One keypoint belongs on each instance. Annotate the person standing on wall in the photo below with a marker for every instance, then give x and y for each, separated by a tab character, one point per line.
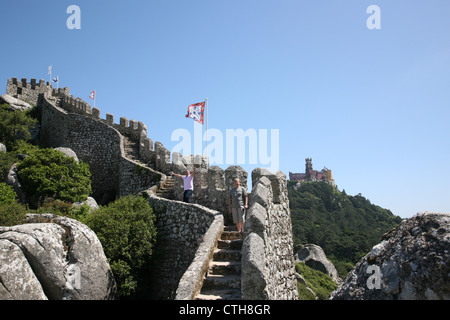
188	181
238	203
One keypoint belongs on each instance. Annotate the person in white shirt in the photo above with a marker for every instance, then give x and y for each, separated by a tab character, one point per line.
188	180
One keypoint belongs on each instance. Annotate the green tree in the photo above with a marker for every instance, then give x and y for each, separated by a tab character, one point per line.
48	173
12	214
346	227
14	126
126	229
7	194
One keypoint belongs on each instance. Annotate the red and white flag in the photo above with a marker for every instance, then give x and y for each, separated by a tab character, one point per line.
197	112
92	95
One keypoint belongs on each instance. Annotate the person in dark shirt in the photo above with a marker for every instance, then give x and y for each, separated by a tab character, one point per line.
238	203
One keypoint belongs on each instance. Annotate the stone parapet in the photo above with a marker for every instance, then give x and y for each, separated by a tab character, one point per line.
187	235
268	268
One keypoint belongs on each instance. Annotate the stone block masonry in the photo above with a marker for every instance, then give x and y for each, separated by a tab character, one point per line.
268	268
124	161
99	145
28	92
187	235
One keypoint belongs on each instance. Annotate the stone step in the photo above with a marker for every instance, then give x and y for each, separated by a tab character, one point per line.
235	244
215	281
223	279
165	189
231	235
227	255
224	268
220	294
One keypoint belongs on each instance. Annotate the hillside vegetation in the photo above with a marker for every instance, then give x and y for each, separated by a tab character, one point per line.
346	227
53	182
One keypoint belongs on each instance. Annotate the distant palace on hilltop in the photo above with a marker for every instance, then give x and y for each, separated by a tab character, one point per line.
312	175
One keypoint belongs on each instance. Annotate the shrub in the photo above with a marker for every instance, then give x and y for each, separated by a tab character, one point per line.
57	207
14	126
320	283
48	173
12	214
7	194
126	229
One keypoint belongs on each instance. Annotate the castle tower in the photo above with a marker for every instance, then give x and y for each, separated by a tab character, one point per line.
308	168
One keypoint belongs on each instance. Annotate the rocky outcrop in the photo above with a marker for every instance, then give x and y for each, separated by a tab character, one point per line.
90	202
12	179
411	263
53	258
68	153
314	257
15	104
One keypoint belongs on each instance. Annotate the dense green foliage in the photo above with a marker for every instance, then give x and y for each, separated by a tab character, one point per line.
320	283
346	227
12	214
48	173
14	126
53	181
126	229
7	194
45	173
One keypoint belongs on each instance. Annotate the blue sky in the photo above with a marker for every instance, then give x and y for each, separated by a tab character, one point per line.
372	105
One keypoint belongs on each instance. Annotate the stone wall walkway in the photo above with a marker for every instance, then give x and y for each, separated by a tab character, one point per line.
223	279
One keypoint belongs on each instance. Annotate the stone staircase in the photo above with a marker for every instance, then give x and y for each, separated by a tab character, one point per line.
131	149
223	279
167	190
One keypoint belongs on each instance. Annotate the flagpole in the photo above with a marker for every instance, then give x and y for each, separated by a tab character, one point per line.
207	111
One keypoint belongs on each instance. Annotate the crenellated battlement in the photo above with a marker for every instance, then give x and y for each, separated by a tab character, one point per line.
61	97
27	91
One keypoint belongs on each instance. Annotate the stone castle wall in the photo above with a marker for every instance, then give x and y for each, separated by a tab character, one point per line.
268	268
99	145
187	231
27	91
187	235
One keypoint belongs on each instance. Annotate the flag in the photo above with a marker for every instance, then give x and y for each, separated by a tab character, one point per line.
56	79
196	111
92	95
49	69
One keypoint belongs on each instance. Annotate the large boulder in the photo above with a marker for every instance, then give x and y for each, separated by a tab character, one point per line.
15	103
68	153
90	202
53	258
12	179
411	263
314	257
